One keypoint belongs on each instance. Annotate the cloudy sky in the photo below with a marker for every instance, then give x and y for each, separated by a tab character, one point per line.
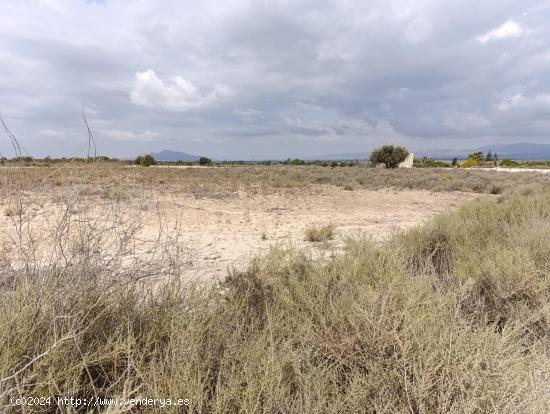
273	78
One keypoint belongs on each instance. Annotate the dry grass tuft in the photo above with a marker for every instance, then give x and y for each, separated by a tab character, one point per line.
319	234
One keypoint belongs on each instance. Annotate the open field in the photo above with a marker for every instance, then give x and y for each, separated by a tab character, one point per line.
227	215
347	289
101	178
224	230
274	207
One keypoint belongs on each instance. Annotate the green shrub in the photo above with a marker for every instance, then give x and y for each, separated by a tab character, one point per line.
427	162
538	164
507	162
389	155
470	162
205	161
145	160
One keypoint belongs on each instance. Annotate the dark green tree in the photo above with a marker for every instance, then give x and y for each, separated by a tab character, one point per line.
478	156
390	155
146	160
205	161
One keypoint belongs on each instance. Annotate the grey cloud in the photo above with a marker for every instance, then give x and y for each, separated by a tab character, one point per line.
248	78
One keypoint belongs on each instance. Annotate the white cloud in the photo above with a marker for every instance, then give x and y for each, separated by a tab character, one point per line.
177	95
122	135
54	5
508	29
521	102
249	115
340	126
464	120
418	30
51	133
512	102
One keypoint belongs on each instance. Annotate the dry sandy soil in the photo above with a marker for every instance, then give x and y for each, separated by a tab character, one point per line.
226	231
518	170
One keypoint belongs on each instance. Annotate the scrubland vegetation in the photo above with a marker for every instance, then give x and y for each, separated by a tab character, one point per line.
121	178
453	316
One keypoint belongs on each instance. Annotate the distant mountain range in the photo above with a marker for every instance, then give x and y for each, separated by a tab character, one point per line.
172	156
519	151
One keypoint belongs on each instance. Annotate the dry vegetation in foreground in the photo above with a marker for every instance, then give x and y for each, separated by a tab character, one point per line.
450	317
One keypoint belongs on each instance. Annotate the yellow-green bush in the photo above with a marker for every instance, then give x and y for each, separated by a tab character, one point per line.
470	162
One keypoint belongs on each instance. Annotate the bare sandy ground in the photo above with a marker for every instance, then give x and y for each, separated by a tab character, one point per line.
227	231
516	170
223	231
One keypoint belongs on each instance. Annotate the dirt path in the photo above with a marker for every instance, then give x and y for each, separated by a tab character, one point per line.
516	170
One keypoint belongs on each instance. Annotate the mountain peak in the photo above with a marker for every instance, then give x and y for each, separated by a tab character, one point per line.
172	156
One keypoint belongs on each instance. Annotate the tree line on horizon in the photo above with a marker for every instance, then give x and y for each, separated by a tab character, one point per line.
389	156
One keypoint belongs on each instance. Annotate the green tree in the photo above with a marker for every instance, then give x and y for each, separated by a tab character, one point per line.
454	163
205	161
489	156
478	156
146	160
390	155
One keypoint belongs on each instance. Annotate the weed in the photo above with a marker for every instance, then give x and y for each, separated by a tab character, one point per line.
320	234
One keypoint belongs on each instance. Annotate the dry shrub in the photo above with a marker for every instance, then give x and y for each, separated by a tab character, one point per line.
319	233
